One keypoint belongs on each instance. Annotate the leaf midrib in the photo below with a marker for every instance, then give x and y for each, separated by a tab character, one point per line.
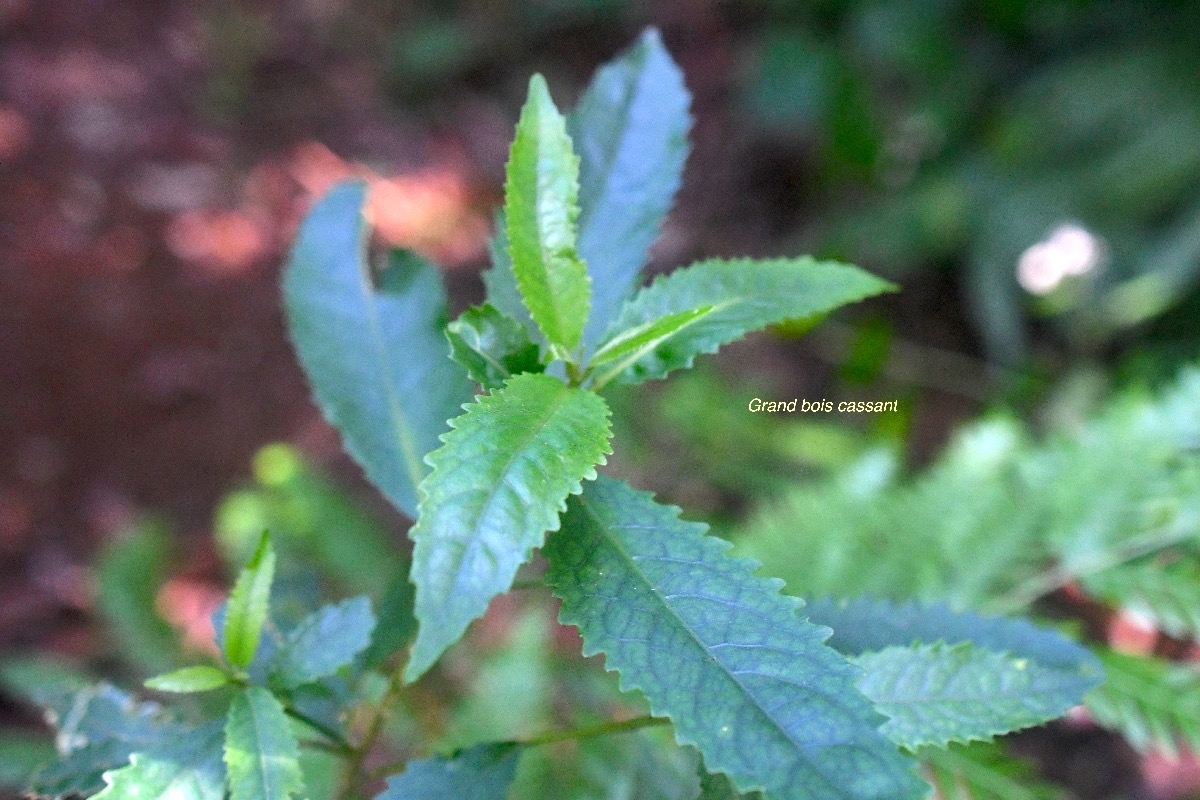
262	757
729	674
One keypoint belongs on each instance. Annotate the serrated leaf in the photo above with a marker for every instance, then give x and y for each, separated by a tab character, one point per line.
629	347
246	612
540	204
186	767
983	771
741	675
716	786
81	771
501	283
1153	703
745	295
934	694
373	350
324	642
630	130
200	678
479	773
865	624
1168	594
491	346
498	484
261	755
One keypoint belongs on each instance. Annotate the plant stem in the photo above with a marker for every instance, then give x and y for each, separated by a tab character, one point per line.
339	742
591	731
359	753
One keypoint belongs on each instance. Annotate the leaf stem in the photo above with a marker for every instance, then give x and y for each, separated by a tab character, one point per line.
359	753
592	731
339	742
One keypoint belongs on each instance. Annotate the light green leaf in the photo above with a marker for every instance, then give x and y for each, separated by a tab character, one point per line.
629	347
497	485
186	767
741	675
866	624
480	773
630	130
372	347
200	678
324	642
246	612
1153	703
938	693
983	771
501	284
260	752
540	207
129	574
745	295
491	346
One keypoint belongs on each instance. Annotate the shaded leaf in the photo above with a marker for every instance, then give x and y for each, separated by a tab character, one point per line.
938	693
745	295
324	642
373	350
741	675
480	773
186	767
1168	594
397	622
491	346
129	574
984	771
540	204
1153	703
497	485
260	752
630	130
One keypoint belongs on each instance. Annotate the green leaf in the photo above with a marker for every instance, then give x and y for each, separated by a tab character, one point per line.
865	624
491	345
630	130
497	485
1168	594
629	347
540	207
638	765
200	678
324	642
22	752
397	623
501	283
983	771
480	773
260	752
246	612
187	767
717	786
938	693
1153	703
372	348
745	295
741	675
129	575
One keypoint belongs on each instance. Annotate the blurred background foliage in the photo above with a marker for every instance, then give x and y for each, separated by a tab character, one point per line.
1027	172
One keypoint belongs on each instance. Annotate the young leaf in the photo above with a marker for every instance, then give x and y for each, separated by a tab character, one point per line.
865	624
324	642
480	773
744	294
260	752
246	612
937	693
630	131
185	767
501	283
491	346
497	485
623	351
200	678
373	350
741	675
540	207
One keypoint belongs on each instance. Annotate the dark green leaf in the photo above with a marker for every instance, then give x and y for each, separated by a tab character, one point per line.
324	642
22	752
491	346
741	675
373	350
480	773
397	622
745	295
630	131
497	485
984	771
1154	703
639	765
246	612
185	767
937	693
540	207
200	678
260	752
